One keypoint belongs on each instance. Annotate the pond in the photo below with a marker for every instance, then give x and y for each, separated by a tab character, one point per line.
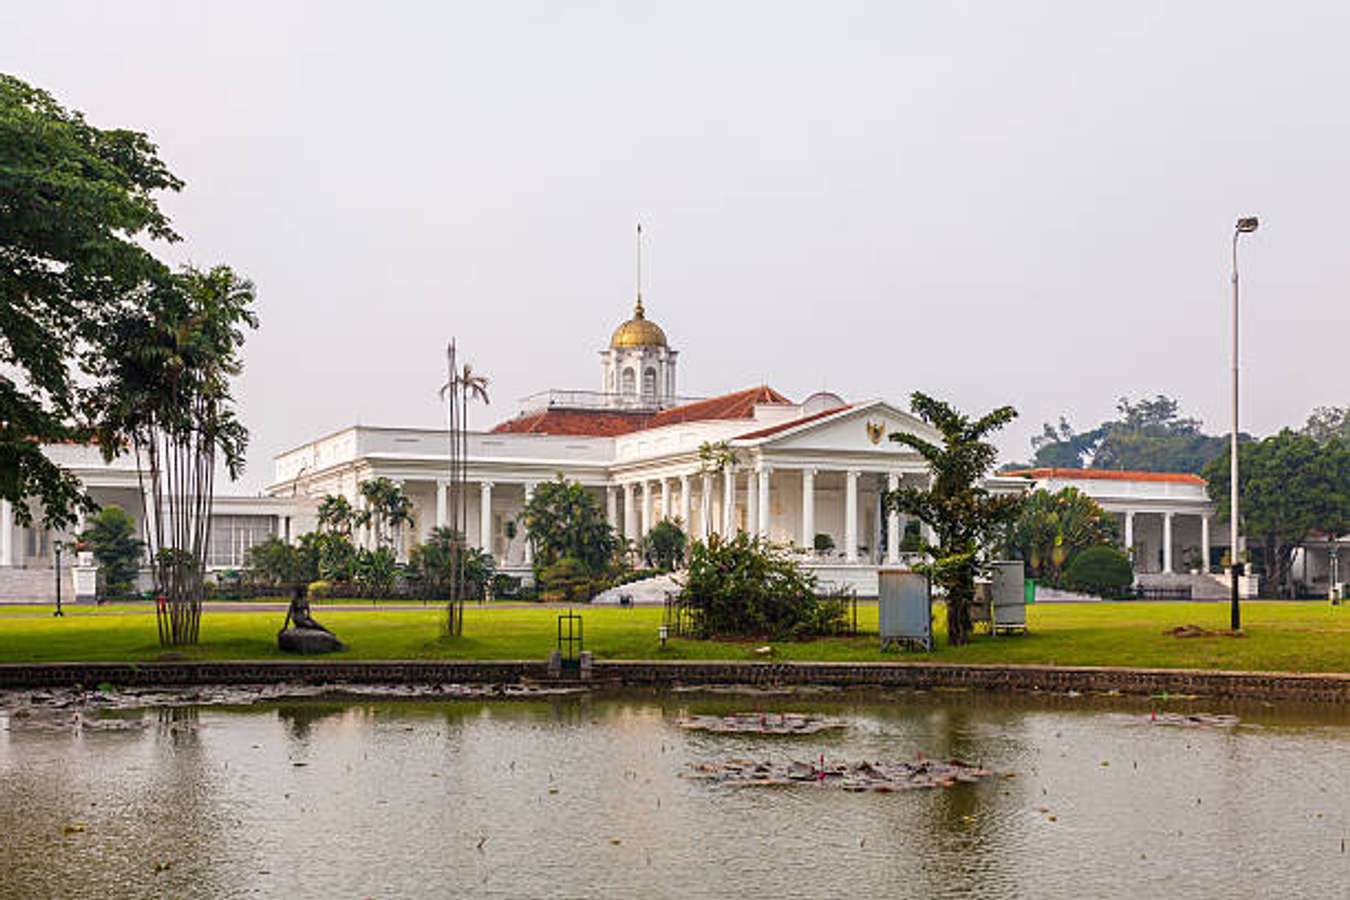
591	796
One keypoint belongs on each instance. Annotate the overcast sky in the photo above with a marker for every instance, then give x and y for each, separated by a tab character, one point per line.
1003	202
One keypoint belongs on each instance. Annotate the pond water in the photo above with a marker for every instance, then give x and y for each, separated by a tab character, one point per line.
587	796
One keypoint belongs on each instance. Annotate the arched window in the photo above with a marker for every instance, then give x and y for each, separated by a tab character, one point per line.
629	382
649	384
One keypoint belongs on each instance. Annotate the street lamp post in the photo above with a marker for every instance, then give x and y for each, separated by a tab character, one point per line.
1245	225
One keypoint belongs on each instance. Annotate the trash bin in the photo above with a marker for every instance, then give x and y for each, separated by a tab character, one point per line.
1029	590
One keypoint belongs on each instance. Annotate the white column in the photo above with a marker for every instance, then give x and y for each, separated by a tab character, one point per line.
612	507
752	501
1129	531
442	508
686	507
705	507
485	517
646	508
529	548
764	509
729	501
1167	543
6	533
665	499
892	524
808	509
851	515
1204	543
629	513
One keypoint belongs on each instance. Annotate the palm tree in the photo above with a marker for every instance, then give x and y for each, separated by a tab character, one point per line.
336	514
462	387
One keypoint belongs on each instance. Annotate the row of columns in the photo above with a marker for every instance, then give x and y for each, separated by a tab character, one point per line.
485	542
1167	538
758	507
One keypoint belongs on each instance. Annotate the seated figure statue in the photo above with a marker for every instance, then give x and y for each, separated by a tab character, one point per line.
300	633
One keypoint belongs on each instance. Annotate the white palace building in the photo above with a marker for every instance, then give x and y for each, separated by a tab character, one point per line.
802	469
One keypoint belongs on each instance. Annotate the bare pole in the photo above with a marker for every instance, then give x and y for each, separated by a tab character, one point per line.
1244	225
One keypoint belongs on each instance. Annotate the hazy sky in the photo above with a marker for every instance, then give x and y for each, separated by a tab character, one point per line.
1003	202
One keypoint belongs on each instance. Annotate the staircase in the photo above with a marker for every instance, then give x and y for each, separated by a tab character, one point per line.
36	585
647	592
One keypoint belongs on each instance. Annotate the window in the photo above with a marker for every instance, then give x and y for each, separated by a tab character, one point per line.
232	536
649	384
629	382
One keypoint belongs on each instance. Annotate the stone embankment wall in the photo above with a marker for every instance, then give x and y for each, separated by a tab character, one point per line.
1333	688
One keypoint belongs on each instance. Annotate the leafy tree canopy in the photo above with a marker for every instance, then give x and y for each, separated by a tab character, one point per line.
112	535
562	519
76	203
1290	486
963	514
1328	423
1149	435
1053	528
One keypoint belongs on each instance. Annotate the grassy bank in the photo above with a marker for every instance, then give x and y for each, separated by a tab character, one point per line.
1305	637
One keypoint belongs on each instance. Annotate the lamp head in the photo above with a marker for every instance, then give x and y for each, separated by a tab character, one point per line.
1247	224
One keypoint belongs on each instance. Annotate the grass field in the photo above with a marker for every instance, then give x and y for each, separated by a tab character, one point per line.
1281	636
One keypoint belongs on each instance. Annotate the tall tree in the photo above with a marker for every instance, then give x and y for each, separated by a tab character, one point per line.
1148	435
164	391
1328	423
563	520
76	204
1053	527
1289	487
963	514
387	510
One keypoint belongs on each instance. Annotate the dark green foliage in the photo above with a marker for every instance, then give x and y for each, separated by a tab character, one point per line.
1053	527
822	543
1328	423
164	391
568	577
1104	571
376	572
387	510
113	538
274	562
563	520
1290	487
962	513
745	586
664	545
76	208
430	562
1148	436
336	514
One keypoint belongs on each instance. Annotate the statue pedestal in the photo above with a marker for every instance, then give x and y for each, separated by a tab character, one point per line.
308	641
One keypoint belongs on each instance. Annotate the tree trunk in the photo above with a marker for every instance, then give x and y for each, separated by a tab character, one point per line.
958	614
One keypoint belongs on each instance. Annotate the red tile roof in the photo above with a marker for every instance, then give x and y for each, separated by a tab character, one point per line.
784	426
740	405
578	422
607	423
1108	475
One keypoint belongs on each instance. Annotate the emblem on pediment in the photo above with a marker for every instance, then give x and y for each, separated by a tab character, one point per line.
876	431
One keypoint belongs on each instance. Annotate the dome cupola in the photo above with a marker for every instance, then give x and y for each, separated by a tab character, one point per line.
638	331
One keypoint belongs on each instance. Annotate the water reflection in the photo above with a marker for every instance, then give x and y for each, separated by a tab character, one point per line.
582	796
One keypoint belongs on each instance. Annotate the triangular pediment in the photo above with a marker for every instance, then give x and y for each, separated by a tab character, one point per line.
862	428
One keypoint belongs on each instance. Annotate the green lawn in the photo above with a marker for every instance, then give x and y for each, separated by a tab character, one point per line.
1282	636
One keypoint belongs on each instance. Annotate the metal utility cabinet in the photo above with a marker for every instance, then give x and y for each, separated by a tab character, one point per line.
1009	597
904	608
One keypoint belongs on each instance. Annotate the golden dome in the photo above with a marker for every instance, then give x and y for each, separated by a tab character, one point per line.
638	332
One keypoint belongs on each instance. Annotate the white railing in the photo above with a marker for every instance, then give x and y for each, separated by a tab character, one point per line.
598	400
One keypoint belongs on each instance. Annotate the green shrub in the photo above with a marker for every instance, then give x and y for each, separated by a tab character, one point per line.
320	590
1104	571
430	564
112	537
568	577
664	545
823	543
272	562
745	586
